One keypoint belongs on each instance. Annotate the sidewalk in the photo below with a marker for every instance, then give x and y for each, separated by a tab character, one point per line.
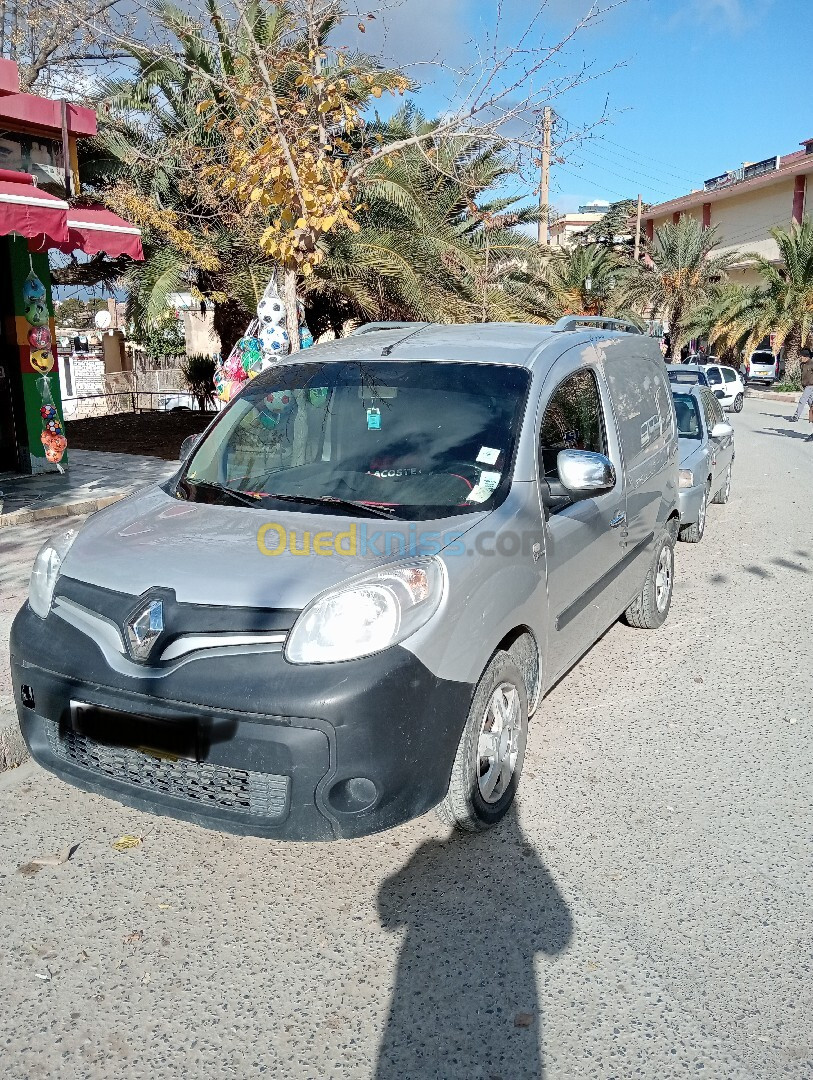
93	480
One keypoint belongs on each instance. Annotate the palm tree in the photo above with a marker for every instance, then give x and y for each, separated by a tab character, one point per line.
430	245
783	303
586	279
681	275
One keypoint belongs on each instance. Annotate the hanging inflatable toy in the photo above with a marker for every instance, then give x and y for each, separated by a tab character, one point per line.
39	337
36	312
33	288
274	340
41	358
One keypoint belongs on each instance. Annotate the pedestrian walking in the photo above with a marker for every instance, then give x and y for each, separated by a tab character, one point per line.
806	400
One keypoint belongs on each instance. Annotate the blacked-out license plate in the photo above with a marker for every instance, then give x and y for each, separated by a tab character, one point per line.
160	738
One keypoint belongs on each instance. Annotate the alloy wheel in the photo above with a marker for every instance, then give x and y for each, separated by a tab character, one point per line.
498	742
663	577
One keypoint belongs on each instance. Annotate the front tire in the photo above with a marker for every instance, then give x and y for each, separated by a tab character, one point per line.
489	757
738	402
650	609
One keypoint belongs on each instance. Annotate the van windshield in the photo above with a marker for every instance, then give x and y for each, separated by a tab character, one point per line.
407	439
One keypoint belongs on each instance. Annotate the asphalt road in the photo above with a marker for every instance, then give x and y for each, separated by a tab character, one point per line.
646	913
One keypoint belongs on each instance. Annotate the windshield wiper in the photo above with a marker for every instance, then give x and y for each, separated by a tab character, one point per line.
238	496
333	500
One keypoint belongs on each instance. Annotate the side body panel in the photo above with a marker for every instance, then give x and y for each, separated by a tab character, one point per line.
645	414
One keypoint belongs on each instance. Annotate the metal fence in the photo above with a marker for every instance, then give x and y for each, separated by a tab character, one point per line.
131	392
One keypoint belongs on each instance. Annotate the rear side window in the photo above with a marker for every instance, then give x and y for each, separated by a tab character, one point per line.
712	410
641	402
713	375
573	420
729	374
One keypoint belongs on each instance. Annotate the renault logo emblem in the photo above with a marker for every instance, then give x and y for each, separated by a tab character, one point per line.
144	628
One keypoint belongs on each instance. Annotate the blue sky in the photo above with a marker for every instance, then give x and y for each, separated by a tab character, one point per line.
702	86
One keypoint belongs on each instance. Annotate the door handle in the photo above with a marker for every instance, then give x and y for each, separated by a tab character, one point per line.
619	519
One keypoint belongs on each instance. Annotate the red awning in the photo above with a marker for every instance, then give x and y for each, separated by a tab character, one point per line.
95	231
27	210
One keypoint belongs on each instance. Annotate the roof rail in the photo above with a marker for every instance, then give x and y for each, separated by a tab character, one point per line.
573	322
370	327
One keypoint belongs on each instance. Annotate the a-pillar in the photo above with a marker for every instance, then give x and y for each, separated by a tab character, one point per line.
21	424
799	189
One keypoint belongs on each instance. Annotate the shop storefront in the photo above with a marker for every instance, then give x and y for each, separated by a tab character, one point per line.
35	218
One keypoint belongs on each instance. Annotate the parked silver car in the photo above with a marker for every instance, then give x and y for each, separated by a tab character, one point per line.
342	609
706	455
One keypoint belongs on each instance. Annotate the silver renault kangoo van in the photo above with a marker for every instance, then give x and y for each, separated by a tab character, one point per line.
344	607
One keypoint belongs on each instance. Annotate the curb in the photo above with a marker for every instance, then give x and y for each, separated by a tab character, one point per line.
73	509
771	395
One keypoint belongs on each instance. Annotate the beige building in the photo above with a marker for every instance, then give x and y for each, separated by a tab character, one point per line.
745	205
566	227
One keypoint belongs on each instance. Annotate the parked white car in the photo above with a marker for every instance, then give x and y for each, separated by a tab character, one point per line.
183	401
726	385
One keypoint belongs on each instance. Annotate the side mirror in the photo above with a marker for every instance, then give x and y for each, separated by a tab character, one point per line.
721	431
584	474
719	393
187	446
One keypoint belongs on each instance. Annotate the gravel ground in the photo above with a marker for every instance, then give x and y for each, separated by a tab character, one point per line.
646	913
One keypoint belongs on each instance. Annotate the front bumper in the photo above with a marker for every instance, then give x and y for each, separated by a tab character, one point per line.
689	502
278	750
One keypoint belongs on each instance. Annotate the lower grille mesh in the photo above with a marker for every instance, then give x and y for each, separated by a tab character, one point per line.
237	790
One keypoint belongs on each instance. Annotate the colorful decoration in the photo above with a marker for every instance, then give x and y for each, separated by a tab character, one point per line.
42	360
274	340
265	341
36	312
39	337
41	357
33	288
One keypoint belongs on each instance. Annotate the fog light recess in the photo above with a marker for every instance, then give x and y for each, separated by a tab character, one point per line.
353	795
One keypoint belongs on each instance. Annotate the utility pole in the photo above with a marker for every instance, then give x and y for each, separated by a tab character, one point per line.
638	231
544	185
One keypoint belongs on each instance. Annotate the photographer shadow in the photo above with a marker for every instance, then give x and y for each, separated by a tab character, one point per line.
477	909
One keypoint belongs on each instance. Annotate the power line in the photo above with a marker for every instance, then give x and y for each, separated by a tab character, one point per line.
646	157
625	159
621	176
585	179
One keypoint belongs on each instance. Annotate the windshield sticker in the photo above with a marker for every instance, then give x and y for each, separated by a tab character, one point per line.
488	455
485	487
373	419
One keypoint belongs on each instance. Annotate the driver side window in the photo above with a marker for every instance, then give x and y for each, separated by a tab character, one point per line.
573	420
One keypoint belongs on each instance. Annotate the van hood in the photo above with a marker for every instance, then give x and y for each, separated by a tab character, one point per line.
234	556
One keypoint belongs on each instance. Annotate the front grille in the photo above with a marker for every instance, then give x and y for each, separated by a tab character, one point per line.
197	783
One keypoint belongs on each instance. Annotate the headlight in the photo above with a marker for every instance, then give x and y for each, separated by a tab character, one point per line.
686	478
46	569
367	614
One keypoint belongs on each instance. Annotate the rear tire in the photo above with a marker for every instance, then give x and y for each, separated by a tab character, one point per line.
693	534
738	401
650	609
724	494
489	757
